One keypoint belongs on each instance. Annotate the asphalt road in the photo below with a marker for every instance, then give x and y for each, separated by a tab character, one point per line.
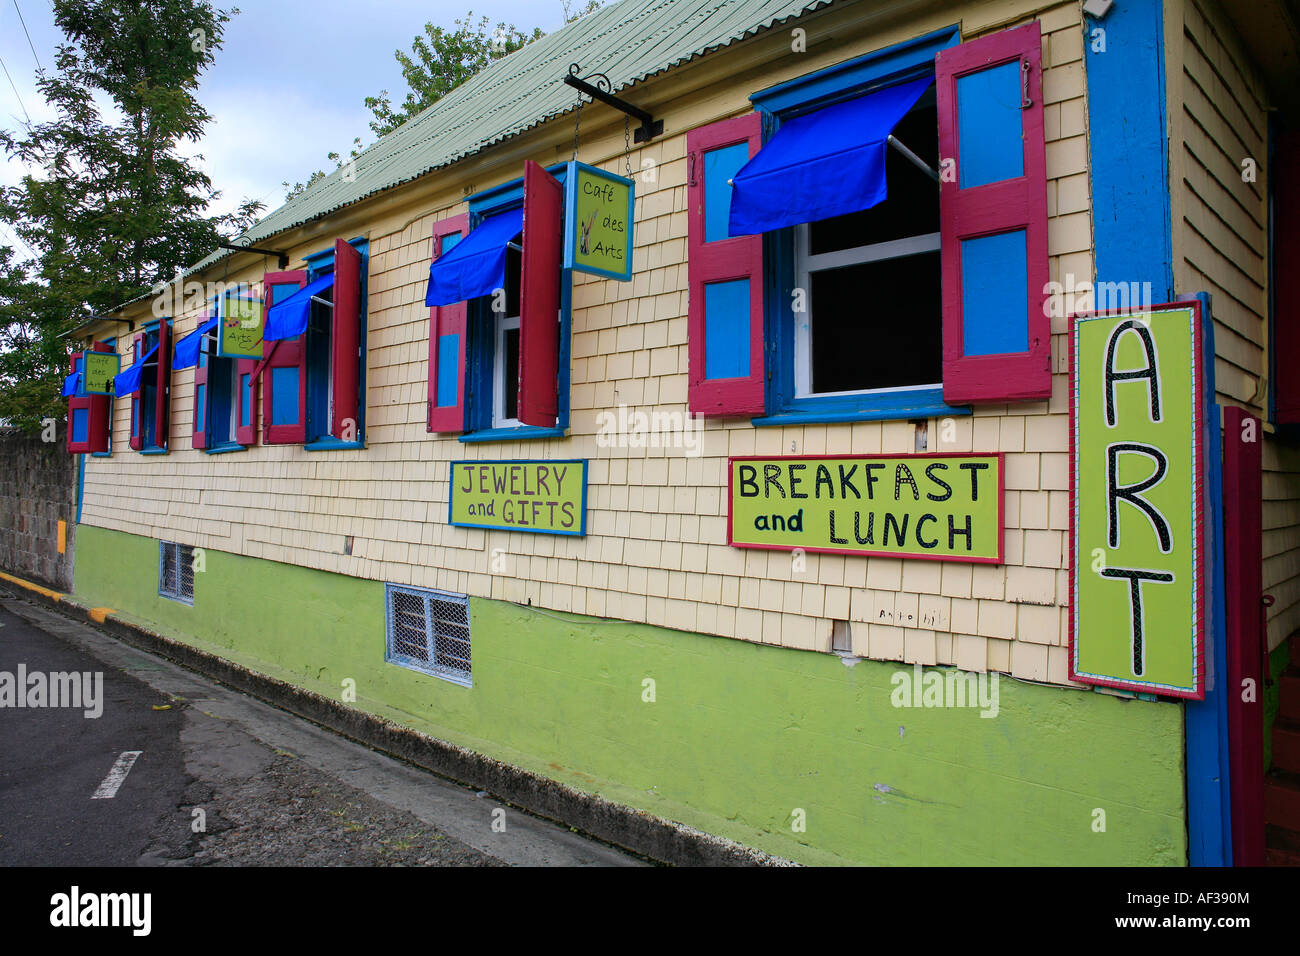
52	760
222	778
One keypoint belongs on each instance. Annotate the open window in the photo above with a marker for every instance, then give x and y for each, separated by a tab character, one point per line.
876	235
498	317
147	383
89	413
843	345
312	370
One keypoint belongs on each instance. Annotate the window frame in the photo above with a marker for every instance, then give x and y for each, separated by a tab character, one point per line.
431	668
111	342
910	60
171	550
841	258
480	352
230	389
317	265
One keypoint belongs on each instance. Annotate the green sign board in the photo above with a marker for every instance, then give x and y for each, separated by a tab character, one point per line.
241	328
549	497
100	368
1138	460
944	507
598	222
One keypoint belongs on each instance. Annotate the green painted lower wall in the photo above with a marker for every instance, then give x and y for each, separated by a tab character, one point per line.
741	740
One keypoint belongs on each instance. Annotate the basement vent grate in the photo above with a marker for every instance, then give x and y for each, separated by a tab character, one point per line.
176	571
428	631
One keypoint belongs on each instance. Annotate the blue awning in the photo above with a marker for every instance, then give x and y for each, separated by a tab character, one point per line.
72	384
477	264
826	163
288	319
127	382
186	353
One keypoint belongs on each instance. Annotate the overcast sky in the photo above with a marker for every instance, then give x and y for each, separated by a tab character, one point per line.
287	87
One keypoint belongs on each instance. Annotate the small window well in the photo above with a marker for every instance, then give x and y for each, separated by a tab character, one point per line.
176	571
428	631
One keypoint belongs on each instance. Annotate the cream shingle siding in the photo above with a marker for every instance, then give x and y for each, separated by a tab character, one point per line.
656	547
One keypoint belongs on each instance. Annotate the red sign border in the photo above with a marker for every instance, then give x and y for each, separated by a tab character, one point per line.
1204	581
1000	558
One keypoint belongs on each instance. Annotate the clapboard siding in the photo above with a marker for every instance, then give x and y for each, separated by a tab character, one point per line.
1219	126
656	547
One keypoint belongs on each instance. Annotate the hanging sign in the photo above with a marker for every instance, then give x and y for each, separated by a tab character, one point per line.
1139	546
598	222
100	370
542	496
944	507
241	328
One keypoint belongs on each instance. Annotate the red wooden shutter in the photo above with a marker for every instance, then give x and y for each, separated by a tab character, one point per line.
725	310
246	417
137	418
1285	179
88	417
284	368
162	396
539	298
446	405
345	343
993	206
199	435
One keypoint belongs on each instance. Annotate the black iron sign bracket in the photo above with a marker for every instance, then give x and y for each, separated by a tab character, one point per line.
281	257
600	90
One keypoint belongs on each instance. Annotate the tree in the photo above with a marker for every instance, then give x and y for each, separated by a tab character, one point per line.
111	207
440	60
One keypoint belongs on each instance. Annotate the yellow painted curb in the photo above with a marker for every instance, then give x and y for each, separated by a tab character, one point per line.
28	585
97	614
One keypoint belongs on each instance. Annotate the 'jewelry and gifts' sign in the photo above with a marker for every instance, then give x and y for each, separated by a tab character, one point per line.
598	222
1137	521
945	507
545	496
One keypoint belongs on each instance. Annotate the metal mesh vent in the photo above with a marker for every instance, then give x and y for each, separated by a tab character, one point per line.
429	631
176	571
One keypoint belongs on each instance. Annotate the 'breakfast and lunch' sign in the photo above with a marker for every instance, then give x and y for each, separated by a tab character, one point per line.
945	507
1138	520
540	496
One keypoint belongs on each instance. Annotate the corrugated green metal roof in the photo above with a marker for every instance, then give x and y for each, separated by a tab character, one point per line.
628	41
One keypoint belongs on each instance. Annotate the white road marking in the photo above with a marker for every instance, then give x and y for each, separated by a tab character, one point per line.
108	789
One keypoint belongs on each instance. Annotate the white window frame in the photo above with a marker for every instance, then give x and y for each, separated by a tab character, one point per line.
805	264
502	324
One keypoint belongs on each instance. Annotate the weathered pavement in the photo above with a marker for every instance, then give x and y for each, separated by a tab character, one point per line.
223	778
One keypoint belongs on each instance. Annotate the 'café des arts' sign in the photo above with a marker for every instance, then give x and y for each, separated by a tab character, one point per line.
944	507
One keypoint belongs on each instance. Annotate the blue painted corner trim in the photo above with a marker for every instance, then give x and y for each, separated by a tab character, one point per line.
1129	148
1209	795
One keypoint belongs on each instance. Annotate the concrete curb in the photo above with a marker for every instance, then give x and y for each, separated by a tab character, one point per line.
636	830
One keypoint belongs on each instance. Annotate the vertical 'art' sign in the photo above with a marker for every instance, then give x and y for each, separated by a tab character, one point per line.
1139	537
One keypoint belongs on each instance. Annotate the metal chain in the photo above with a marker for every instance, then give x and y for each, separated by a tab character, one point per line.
627	145
577	124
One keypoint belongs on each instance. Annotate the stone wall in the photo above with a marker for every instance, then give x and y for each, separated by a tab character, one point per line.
36	490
